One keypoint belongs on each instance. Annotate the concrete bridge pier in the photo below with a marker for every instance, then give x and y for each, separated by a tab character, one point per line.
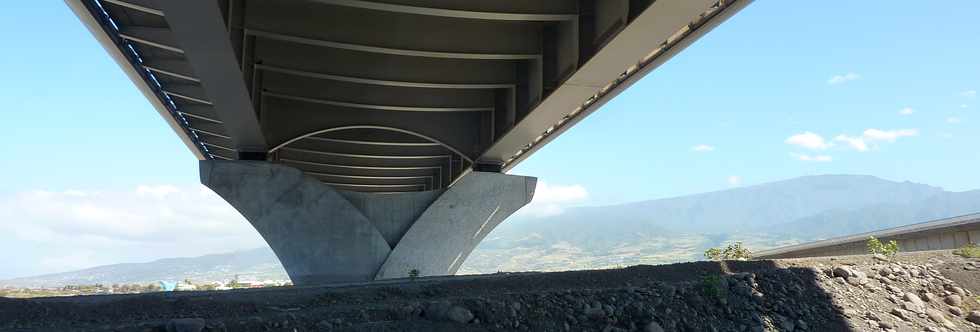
323	235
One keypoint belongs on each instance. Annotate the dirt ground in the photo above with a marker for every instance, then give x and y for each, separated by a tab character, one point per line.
930	291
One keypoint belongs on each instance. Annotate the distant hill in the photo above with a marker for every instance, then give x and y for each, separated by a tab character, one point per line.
840	222
729	211
260	263
681	228
651	232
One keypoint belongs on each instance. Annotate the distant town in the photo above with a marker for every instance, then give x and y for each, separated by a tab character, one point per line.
160	286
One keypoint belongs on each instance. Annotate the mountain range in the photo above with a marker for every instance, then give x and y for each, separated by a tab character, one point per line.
253	264
680	229
647	232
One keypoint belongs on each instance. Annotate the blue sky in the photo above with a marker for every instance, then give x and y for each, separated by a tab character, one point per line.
762	77
780	82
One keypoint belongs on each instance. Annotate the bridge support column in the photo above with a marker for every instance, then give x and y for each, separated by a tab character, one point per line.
324	235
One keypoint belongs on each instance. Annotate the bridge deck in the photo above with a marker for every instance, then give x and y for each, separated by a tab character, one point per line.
388	95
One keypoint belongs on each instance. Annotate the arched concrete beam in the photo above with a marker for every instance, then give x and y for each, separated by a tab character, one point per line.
318	235
398	130
322	235
449	229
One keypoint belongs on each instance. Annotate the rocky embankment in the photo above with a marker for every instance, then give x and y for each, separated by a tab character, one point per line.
933	291
907	293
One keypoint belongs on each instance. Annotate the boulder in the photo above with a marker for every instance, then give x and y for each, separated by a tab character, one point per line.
974	317
938	317
653	327
914	299
186	325
901	314
954	300
595	312
843	272
459	314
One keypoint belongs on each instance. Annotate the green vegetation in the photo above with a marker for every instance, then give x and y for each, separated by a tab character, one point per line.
413	274
971	250
734	251
713	254
876	247
711	287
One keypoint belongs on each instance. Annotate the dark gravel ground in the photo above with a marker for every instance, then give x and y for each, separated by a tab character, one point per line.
782	295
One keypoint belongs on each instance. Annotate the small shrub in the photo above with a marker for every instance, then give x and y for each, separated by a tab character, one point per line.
971	250
876	247
711	287
413	274
713	254
734	251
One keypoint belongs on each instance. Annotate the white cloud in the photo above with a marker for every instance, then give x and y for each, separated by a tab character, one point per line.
953	120
969	93
839	79
734	180
547	193
906	111
815	158
888	135
702	148
856	143
809	140
870	137
156	191
76	229
962	105
75	192
550	200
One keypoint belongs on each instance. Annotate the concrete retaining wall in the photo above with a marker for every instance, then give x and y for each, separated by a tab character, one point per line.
950	233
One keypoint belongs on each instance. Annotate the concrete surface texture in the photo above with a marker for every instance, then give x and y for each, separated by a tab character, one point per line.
446	233
323	235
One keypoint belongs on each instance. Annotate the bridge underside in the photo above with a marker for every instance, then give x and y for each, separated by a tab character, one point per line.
388	95
420	99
